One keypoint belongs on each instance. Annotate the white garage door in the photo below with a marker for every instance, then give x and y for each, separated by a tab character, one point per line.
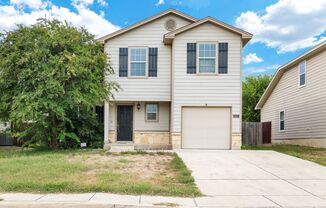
206	127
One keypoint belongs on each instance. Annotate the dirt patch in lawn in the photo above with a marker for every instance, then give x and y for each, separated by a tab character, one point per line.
144	166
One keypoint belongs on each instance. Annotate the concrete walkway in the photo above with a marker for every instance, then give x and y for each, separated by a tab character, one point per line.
255	179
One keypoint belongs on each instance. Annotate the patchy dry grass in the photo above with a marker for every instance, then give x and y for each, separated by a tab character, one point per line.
149	165
317	155
95	171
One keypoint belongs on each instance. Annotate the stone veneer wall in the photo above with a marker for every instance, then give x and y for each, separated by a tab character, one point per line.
151	138
176	140
112	136
236	141
145	137
163	138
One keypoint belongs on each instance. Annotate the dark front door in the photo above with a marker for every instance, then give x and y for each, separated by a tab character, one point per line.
124	123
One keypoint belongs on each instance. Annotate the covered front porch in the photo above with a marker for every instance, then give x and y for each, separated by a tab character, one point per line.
137	125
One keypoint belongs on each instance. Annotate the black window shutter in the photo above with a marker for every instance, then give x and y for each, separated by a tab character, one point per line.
123	62
152	62
223	58
191	58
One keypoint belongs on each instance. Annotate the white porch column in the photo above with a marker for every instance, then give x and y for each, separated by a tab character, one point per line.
106	124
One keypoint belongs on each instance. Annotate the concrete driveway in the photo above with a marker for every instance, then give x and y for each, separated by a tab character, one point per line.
256	179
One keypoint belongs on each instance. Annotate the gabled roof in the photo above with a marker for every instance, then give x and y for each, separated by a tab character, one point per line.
146	21
279	73
246	36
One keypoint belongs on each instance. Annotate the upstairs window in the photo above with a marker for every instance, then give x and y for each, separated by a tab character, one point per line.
207	57
302	74
151	112
282	121
138	62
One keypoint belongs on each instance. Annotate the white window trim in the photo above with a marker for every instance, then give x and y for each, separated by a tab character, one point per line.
305	72
279	120
157	112
216	59
129	62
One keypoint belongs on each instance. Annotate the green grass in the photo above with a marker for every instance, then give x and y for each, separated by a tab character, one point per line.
124	161
317	155
76	171
184	175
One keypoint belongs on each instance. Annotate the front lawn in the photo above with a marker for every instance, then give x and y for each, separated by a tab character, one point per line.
95	171
317	155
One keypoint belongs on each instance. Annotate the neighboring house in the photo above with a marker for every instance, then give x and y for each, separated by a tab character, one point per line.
295	100
2	126
5	139
180	81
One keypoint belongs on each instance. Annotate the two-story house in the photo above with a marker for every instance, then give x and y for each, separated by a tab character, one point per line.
180	80
295	100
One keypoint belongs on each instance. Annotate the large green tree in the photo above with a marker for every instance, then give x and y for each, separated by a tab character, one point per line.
252	89
50	73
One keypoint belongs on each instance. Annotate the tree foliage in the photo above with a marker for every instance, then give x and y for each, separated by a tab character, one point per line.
252	89
50	74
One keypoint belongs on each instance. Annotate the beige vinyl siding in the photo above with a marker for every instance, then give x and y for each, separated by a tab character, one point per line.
150	88
305	107
213	90
140	124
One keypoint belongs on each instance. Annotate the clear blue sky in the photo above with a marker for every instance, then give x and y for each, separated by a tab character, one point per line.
282	29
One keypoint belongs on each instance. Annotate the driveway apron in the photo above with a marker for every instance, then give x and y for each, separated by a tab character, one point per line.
256	177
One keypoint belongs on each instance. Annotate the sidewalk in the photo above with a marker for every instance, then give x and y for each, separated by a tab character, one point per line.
89	199
102	199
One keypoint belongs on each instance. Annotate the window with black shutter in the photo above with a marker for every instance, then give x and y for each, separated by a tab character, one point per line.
123	62
191	58
152	62
223	58
207	58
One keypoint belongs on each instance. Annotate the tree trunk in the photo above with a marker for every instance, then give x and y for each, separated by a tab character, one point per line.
53	143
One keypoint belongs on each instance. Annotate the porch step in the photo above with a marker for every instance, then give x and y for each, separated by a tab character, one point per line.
124	147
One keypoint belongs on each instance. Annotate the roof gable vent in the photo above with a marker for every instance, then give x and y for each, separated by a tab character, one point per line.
170	24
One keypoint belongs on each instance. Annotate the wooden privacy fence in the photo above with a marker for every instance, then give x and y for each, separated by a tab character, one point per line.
256	133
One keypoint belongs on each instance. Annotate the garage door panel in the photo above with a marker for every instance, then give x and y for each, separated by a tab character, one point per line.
206	128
